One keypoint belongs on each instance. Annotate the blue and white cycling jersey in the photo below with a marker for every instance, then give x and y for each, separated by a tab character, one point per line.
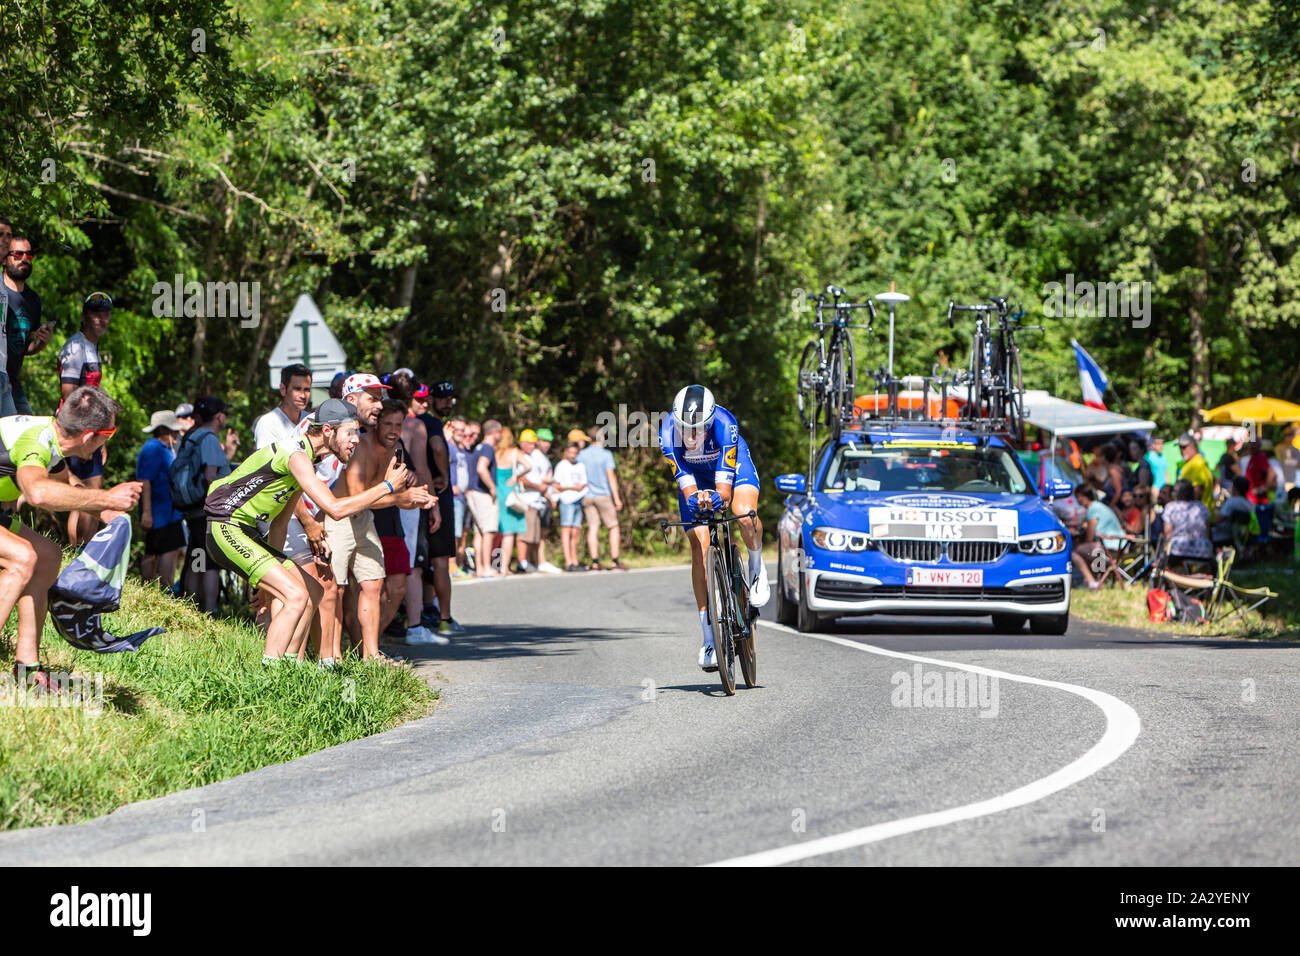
722	458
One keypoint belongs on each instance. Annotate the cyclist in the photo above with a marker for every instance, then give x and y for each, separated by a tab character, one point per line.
713	469
248	514
34	453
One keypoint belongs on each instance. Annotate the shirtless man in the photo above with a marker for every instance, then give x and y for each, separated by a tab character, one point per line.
368	464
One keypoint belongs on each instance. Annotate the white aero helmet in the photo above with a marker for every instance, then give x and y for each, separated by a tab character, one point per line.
693	411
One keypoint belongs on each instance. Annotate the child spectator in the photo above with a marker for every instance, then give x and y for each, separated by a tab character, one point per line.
571	484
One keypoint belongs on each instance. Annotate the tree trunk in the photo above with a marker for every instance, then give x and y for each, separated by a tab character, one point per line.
198	376
1200	348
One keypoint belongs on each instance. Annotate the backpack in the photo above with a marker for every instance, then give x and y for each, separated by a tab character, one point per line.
189	487
1186	608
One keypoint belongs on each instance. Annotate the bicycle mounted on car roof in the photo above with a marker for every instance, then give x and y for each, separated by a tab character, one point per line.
986	398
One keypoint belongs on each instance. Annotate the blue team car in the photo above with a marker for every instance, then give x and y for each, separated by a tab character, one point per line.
920	519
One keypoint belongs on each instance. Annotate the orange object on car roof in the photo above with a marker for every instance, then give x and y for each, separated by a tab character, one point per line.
909	404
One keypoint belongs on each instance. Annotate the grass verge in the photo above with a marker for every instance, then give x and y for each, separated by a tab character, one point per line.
1280	619
191	707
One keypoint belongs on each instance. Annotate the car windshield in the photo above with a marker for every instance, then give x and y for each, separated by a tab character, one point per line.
920	465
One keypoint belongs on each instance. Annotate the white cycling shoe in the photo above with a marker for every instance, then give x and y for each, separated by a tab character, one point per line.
708	657
760	591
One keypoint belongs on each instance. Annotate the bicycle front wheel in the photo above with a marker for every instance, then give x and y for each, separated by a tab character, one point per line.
720	619
745	642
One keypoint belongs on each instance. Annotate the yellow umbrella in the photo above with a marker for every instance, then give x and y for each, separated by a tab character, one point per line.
1258	410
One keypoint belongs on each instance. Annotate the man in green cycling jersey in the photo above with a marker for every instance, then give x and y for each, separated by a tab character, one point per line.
33	465
248	514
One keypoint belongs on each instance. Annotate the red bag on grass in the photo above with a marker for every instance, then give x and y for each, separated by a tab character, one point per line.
1158	607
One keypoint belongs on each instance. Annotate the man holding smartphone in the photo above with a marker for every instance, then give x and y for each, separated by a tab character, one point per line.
27	335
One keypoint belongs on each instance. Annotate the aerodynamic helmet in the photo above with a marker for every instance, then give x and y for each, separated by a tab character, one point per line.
693	410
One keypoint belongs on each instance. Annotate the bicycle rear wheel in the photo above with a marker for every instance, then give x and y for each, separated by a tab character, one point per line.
809	398
745	649
720	619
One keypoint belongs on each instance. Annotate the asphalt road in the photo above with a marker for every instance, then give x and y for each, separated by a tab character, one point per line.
575	728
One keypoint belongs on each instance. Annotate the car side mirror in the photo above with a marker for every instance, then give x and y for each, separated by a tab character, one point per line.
794	484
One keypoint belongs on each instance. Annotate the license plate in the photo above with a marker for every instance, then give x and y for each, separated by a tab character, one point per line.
944	578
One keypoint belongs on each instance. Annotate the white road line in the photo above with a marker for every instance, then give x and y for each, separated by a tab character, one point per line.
1122	728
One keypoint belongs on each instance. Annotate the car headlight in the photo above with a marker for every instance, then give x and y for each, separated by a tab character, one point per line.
837	539
1052	543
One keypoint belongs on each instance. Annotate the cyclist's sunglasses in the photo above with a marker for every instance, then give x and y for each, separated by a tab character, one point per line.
107	432
693	433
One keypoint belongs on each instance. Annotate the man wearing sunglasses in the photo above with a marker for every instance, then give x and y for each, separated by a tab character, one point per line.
34	452
27	334
79	365
713	470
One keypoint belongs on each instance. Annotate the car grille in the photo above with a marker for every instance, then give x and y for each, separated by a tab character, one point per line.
914	551
840	590
975	552
959	552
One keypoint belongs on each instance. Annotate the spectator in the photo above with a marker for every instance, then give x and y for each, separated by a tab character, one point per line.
304	539
442	543
1196	471
79	365
481	499
458	460
1129	511
510	468
356	550
1289	455
1262	480
415	440
1113	483
1186	522
1268	450
214	458
6	234
602	504
1227	471
164	527
473	436
336	384
402	577
281	422
579	436
1155	458
1163	497
1139	469
1100	530
542	454
571	485
1237	510
185	417
20	312
533	484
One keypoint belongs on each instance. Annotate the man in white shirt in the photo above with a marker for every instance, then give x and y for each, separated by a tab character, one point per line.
282	421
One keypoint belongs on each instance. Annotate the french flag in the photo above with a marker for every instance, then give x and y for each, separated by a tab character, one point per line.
1092	379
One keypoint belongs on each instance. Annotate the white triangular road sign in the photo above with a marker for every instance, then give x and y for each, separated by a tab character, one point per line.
325	357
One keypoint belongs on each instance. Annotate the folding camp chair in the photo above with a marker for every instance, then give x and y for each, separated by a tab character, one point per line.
1215	592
